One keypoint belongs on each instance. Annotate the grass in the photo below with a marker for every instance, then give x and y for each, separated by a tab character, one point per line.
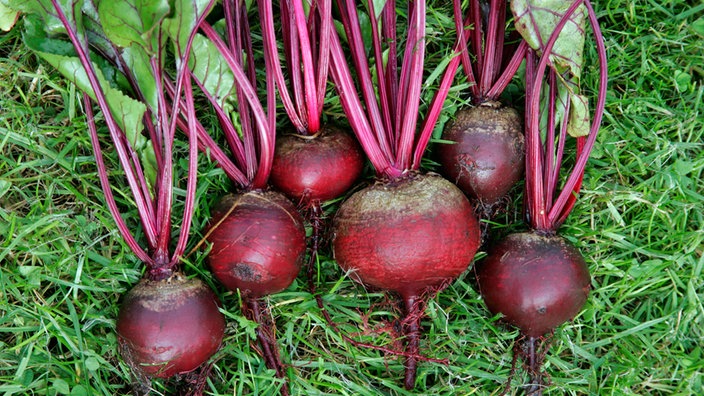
638	223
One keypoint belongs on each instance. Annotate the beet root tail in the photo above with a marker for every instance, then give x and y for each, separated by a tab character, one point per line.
267	339
412	333
317	225
535	388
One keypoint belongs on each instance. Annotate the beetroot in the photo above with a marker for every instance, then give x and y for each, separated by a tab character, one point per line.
411	235
169	326
487	157
258	246
258	242
317	167
486	149
536	281
408	235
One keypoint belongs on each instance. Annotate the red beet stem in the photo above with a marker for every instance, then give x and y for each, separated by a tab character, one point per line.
542	213
487	44
308	69
262	127
494	38
306	44
153	199
384	125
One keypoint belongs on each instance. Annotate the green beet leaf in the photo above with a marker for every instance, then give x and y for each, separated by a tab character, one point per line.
8	17
45	11
536	21
129	22
211	70
60	54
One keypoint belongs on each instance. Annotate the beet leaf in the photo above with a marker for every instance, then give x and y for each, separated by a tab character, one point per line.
536	20
548	205
117	57
8	17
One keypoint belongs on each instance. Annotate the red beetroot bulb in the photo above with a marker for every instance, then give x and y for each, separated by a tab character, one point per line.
487	157
406	235
170	326
537	282
258	242
318	167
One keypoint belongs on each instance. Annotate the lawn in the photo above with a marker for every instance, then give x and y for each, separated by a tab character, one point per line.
639	223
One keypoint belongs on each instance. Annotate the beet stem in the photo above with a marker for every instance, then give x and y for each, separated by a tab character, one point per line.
544	217
386	94
412	332
494	29
264	126
463	31
476	37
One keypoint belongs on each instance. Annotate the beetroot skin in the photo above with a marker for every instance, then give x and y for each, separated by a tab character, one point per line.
537	282
414	233
320	167
170	326
487	157
258	242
